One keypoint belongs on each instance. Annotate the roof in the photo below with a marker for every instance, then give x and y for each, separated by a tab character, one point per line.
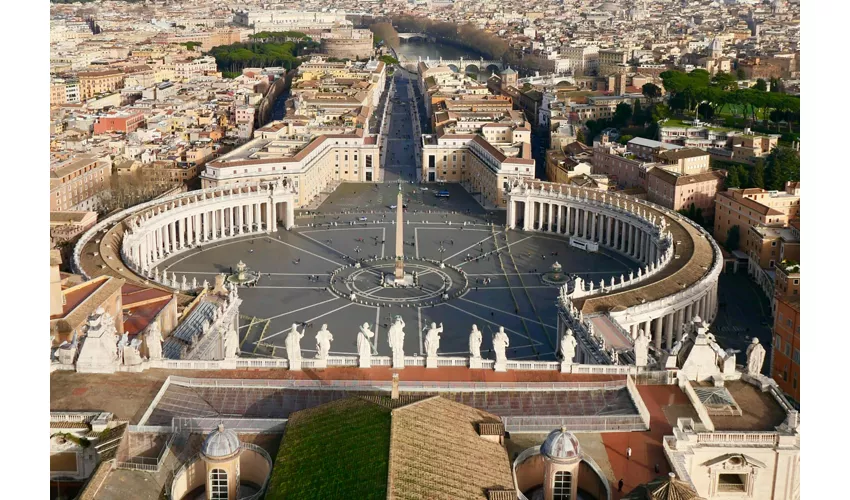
221	443
649	143
187	333
336	450
760	411
664	488
679	154
436	452
679	180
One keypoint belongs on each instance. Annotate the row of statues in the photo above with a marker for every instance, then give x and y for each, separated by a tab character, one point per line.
395	339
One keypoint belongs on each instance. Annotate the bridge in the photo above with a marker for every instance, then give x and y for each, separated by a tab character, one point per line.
412	36
460	65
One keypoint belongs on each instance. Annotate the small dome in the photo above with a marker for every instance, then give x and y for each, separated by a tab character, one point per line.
561	445
221	443
508	71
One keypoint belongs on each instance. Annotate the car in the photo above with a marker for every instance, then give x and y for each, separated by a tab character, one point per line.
393	207
364	218
442	194
423	189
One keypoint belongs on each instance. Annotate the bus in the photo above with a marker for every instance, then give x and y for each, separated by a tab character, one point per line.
442	194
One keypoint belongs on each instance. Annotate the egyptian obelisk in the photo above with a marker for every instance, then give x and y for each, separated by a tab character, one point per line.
399	237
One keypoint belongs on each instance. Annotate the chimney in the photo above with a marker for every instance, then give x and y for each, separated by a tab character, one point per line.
395	386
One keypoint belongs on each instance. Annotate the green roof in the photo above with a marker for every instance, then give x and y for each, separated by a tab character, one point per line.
350	431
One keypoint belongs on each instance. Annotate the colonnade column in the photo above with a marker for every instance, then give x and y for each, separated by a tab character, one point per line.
677	324
668	330
560	209
659	332
567	225
584	231
550	217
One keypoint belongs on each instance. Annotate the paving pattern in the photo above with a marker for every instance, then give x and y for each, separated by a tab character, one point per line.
505	288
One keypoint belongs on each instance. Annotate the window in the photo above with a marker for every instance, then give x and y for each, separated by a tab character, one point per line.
563	486
218	484
778	343
787	349
732	483
788	323
796	357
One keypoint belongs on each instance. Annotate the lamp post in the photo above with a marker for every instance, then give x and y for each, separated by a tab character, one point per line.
442	250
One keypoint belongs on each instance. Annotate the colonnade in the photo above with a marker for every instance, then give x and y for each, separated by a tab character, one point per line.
666	329
195	218
629	236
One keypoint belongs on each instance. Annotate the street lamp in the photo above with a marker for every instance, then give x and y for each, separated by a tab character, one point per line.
442	250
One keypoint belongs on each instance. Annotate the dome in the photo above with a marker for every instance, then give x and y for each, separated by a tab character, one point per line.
221	443
508	71
561	445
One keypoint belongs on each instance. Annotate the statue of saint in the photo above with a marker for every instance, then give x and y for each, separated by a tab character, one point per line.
500	344
475	339
641	348
153	339
432	339
755	357
323	342
231	344
364	348
568	346
293	343
396	341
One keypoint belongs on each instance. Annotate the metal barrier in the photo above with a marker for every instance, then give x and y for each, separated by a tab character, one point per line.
613	423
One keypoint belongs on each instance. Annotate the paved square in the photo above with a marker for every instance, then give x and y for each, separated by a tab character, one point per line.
504	286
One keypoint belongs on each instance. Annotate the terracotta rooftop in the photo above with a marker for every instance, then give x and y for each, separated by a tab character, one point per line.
436	452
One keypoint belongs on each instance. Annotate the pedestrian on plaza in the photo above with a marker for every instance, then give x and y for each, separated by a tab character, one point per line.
629	452
656	469
620	485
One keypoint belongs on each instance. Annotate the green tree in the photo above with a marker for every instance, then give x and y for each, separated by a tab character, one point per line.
388	60
782	165
733	179
693	213
705	111
741	74
580	136
757	174
776	85
651	91
760	85
622	114
733	238
725	81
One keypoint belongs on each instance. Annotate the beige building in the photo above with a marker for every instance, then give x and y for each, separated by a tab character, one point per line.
311	163
755	207
97	82
677	191
76	183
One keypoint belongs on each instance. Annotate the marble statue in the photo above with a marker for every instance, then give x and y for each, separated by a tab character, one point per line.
475	339
500	344
323	342
568	347
432	339
194	283
755	357
153	340
231	344
293	344
395	338
99	353
641	348
364	348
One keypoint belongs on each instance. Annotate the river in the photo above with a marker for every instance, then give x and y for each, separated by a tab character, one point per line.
414	50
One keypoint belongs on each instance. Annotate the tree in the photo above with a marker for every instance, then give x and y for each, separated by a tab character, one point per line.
760	85
388	60
580	136
651	91
705	111
741	74
725	81
757	174
776	85
733	180
622	114
693	213
733	238
782	165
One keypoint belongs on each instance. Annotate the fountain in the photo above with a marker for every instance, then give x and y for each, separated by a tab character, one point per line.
555	275
243	275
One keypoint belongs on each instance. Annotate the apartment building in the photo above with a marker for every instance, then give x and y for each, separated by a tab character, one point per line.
678	191
611	60
123	122
755	207
97	82
76	184
582	60
64	91
187	69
